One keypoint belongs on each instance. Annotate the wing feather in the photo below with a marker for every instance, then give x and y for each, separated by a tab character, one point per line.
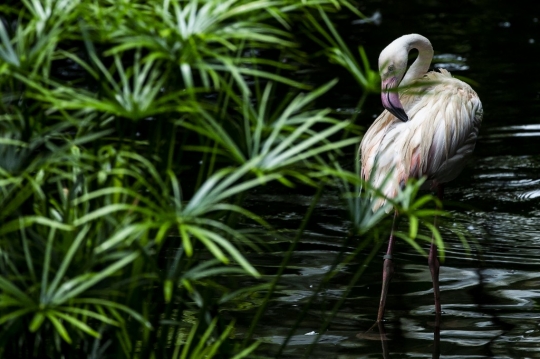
445	117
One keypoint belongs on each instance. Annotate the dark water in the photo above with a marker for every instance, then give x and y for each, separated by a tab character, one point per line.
491	296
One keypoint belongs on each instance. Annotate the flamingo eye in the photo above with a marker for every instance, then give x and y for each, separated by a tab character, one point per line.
391	68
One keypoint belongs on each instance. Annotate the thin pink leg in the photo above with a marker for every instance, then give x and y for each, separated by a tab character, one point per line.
433	261
388	270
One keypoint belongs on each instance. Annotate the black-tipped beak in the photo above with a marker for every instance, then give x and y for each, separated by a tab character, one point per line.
390	99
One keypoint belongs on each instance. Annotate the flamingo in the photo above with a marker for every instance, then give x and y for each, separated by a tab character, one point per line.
428	130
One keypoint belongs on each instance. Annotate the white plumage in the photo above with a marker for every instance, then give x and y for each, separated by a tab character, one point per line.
444	116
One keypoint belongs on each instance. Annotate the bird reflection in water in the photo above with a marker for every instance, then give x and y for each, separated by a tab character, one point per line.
378	332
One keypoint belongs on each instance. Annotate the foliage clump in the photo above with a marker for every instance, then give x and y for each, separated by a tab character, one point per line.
131	133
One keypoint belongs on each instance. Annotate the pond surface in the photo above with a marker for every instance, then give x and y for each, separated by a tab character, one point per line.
490	297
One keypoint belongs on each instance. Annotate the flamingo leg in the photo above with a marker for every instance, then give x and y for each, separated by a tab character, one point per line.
388	270
433	261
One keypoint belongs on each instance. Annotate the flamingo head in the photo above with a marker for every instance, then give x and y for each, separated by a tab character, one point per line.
392	67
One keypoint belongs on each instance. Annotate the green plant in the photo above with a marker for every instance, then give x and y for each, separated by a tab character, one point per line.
131	133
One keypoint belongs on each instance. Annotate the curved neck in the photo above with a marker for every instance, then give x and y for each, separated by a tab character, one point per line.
422	62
